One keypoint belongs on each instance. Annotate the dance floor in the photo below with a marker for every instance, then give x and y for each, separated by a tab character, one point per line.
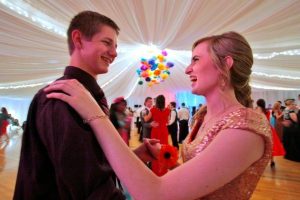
281	183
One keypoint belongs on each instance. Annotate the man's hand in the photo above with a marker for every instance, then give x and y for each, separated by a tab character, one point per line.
154	124
149	150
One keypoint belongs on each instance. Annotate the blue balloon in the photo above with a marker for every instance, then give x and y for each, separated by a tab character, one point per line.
153	67
151	62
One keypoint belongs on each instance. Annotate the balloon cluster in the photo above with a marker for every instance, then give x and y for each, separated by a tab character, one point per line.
154	70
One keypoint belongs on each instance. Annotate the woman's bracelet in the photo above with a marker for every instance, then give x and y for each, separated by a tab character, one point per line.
103	116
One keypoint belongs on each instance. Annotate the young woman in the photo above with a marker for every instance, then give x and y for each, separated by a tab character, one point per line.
160	114
220	162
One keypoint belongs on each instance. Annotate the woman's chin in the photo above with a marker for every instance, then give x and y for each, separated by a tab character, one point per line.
197	91
194	91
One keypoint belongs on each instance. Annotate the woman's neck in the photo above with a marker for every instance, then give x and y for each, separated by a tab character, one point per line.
218	103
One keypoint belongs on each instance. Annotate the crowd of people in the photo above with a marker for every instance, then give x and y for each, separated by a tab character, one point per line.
75	146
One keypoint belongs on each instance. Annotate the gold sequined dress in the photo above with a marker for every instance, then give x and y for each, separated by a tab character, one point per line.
241	187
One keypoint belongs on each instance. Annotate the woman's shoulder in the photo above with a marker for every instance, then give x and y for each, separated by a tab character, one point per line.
248	119
153	109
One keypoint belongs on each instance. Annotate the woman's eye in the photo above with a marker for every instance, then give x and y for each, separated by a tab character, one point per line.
194	59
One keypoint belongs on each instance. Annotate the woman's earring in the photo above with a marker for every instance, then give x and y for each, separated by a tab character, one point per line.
222	85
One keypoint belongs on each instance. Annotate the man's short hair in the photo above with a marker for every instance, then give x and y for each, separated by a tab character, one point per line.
147	98
88	23
173	104
182	104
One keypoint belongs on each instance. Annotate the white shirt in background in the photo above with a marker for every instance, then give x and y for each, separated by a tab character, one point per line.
183	113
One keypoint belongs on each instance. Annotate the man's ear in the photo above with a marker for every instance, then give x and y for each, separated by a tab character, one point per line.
77	39
229	62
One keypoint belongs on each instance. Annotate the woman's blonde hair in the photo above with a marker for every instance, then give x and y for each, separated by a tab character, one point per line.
236	46
199	115
276	106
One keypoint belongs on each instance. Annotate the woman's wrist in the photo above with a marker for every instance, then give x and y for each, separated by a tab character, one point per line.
94	117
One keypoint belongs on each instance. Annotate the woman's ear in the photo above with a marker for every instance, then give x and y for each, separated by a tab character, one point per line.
229	62
76	38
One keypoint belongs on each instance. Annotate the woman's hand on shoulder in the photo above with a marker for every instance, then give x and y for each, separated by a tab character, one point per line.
76	95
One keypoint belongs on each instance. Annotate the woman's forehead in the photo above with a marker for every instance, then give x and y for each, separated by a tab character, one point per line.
201	48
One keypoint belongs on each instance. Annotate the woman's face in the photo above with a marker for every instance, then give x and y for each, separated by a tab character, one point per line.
121	106
203	73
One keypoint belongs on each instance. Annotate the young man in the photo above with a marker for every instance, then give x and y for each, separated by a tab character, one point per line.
173	124
60	156
146	126
183	116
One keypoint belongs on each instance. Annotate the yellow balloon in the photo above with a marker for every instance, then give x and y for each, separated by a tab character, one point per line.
160	57
150	73
164	76
161	66
150	84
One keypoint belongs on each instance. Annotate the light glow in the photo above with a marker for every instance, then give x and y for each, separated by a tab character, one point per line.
38	18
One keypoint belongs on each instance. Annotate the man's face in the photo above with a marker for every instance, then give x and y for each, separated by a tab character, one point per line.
149	103
100	51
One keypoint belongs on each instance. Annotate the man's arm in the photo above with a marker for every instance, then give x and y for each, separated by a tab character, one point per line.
81	169
172	117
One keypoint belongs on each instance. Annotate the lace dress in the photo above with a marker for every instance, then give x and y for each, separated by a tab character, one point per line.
241	187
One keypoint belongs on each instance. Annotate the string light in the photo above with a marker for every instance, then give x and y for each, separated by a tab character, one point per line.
113	78
24	86
35	16
276	76
132	89
271	87
265	56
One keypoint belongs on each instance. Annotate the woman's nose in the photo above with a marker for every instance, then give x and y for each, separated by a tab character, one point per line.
188	69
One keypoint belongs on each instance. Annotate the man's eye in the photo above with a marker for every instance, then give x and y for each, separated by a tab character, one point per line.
107	43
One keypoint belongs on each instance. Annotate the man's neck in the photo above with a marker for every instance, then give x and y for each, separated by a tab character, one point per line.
75	61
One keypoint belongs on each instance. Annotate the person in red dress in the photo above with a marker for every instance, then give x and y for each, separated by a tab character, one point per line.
4	116
160	114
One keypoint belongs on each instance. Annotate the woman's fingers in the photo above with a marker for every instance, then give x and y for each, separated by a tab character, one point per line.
61	96
67	86
151	141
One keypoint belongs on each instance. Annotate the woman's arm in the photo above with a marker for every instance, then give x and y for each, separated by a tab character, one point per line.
278	114
223	160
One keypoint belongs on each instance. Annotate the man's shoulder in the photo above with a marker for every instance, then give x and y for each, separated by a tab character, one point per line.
144	111
41	99
183	109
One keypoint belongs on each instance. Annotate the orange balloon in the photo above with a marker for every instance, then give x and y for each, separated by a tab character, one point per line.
157	72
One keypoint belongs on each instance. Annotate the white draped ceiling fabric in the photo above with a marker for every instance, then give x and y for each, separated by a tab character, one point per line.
34	50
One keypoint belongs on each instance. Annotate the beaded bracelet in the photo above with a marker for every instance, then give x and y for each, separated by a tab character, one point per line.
86	121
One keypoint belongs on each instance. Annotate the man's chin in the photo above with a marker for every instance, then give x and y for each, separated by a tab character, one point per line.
103	70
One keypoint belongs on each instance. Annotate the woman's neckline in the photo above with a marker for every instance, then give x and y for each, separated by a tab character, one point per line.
221	113
209	124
